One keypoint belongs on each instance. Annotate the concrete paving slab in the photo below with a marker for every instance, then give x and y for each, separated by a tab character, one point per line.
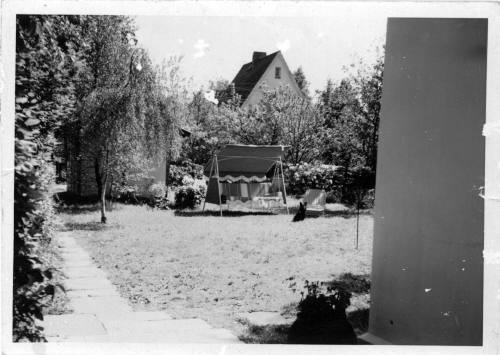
87	284
109	305
144	316
84	273
67	325
81	339
91	293
158	327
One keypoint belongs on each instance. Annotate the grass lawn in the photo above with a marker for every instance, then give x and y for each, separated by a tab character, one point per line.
214	268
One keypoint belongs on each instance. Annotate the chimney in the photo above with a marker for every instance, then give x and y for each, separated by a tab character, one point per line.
258	55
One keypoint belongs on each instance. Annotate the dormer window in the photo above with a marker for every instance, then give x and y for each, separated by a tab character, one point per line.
277	73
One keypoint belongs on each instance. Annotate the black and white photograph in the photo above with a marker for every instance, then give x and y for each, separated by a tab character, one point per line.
225	177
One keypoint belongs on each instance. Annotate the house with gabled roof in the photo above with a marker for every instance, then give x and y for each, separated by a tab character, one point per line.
270	71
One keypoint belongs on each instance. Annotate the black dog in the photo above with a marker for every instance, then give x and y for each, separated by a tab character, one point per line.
301	213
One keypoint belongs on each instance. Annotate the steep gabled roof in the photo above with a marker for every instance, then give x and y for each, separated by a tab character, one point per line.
249	75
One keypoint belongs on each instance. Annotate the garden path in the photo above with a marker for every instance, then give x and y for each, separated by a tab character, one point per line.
101	315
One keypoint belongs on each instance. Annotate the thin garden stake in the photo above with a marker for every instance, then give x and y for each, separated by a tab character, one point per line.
209	177
284	188
357	221
218	183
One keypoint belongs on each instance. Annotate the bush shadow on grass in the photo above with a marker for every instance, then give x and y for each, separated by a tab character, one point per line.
78	209
279	334
346	213
225	213
265	334
87	226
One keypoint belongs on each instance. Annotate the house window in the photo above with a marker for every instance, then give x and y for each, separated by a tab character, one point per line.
277	73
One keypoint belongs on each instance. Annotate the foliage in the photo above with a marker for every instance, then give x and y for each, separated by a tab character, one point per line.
190	194
178	171
369	81
321	317
301	177
351	283
341	143
281	117
46	63
159	198
358	188
351	110
224	91
300	79
157	190
129	111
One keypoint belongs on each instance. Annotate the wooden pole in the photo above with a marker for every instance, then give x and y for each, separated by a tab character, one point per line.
218	183
284	188
209	177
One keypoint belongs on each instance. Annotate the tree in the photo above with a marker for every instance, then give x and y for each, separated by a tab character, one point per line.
340	108
300	79
281	117
224	90
351	111
127	114
370	83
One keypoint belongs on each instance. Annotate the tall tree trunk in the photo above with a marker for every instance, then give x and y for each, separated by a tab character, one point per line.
98	176
167	170
103	188
103	201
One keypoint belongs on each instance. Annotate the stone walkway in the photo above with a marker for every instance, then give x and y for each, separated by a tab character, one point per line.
101	315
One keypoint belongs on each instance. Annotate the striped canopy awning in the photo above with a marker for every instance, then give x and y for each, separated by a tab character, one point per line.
254	162
242	163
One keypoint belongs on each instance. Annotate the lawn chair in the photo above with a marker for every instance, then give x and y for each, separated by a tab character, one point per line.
316	200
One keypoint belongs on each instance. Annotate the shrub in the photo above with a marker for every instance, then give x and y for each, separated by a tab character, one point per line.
126	194
321	317
34	226
158	193
359	187
191	194
178	171
313	176
157	190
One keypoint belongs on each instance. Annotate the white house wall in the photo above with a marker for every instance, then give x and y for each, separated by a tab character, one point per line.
268	78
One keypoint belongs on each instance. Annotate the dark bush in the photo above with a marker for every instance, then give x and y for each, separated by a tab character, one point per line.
358	190
189	196
158	196
321	318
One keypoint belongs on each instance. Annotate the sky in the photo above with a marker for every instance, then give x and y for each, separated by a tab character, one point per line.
216	47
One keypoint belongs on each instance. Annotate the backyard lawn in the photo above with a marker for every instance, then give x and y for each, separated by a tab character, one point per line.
215	268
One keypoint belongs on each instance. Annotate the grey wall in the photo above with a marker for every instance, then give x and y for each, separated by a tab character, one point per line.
427	278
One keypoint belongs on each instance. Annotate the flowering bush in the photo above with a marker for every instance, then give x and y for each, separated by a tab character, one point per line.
190	194
305	176
177	172
158	196
157	190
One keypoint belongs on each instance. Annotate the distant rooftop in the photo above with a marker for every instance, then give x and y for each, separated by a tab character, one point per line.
251	72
